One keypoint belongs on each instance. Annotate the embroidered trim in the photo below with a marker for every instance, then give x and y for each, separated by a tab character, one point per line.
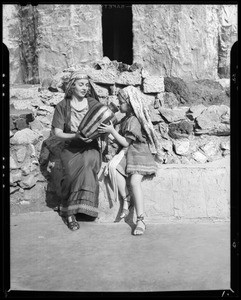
76	206
145	169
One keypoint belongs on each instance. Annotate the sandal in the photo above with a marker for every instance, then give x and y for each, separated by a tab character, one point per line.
73	224
125	212
140	230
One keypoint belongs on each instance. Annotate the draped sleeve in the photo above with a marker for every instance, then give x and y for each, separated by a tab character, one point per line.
58	120
132	130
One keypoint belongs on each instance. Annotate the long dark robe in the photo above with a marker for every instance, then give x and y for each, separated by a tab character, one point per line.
81	163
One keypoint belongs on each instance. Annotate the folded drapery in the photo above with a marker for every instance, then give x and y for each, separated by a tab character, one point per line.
110	170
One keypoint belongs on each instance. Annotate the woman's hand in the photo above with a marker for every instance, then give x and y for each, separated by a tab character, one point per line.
79	136
106	128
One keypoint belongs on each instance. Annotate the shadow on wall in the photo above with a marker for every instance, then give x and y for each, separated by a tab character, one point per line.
51	169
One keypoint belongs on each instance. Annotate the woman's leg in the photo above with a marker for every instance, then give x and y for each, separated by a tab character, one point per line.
80	184
135	183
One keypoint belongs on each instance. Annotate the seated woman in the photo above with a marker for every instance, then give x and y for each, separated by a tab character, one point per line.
81	160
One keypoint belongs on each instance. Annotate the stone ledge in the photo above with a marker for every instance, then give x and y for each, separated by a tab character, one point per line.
191	193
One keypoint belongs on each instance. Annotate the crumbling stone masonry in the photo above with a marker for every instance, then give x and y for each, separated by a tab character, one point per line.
194	131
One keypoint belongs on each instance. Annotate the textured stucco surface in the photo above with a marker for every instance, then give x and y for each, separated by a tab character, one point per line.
11	38
68	35
182	40
186	41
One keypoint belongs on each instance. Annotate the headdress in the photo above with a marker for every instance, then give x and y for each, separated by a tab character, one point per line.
76	75
135	98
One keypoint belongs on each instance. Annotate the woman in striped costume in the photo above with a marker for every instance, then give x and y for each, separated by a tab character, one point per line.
81	158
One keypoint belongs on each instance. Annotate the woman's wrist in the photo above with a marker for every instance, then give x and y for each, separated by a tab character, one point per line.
76	136
113	131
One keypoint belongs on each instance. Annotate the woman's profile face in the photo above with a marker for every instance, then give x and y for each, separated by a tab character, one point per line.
81	87
124	106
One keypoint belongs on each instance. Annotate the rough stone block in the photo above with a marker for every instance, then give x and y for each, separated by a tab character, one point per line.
21	153
180	129
211	148
182	146
174	115
210	118
28	181
155	115
148	99
199	157
21	107
15	176
104	77
24	92
25	136
129	78
21	124
36	125
225	145
36	193
170	100
13	164
101	90
46	109
13	189
195	110
153	84
11	123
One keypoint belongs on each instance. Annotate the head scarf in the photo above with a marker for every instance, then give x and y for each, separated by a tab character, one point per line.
76	75
136	99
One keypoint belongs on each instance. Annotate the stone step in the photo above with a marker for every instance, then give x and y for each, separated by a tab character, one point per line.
189	193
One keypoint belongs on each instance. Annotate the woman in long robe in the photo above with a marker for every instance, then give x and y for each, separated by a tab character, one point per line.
81	160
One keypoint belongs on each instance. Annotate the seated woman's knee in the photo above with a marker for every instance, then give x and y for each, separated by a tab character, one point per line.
90	162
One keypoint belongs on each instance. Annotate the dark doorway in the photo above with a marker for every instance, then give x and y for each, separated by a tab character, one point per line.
117	32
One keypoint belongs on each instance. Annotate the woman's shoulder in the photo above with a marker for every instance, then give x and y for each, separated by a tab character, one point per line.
92	100
133	120
61	104
131	124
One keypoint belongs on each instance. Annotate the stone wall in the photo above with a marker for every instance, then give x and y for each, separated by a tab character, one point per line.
185	41
192	121
65	35
12	39
68	35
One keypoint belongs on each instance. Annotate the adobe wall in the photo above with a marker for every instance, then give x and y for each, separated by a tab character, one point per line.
186	41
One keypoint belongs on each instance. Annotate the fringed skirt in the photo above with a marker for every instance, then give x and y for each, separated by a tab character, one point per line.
80	185
138	159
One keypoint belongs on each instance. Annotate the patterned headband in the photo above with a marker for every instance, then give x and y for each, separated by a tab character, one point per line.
75	76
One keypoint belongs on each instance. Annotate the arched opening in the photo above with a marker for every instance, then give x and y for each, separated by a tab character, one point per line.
117	33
